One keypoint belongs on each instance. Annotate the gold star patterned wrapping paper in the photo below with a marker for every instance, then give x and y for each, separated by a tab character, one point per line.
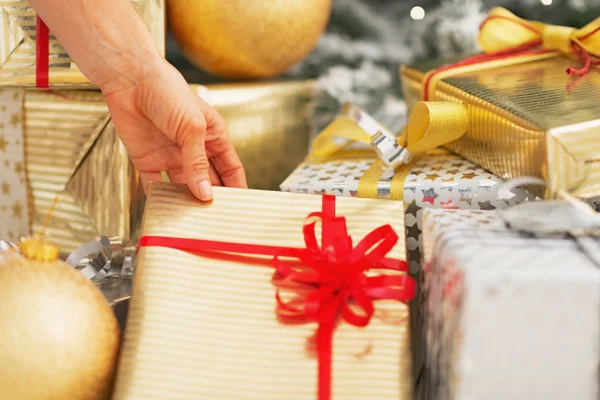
70	149
510	315
438	180
18	47
14	217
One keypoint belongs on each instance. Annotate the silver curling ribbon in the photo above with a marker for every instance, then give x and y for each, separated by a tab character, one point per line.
103	258
92	258
567	217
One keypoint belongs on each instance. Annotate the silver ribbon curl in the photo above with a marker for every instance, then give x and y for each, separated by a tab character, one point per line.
569	218
103	258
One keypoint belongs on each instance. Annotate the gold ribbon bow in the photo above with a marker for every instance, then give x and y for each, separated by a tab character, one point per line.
504	32
430	125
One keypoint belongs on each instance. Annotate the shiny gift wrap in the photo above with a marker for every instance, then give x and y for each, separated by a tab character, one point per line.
204	326
269	125
70	150
437	180
524	115
510	315
22	36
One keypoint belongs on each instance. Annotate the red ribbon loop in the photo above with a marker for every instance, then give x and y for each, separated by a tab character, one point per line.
329	284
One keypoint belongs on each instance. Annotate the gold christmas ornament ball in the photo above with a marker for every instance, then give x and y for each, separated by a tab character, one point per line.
247	38
59	337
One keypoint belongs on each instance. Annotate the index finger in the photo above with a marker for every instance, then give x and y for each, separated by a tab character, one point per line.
221	150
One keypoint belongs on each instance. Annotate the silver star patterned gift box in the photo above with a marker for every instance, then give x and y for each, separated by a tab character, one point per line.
438	180
509	315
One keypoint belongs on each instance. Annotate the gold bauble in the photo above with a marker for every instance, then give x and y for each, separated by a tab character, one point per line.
59	337
247	38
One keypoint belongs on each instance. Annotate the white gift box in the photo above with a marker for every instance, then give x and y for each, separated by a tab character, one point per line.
508	315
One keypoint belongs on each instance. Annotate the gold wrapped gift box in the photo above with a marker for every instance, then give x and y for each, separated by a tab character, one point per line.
269	124
71	149
18	47
530	119
528	105
205	327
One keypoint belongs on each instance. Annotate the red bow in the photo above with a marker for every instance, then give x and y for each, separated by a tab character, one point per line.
334	274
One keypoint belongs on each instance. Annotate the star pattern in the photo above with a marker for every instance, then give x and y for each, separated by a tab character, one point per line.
440	181
19	168
413	208
486	205
14	216
17	210
413	231
15	119
429	195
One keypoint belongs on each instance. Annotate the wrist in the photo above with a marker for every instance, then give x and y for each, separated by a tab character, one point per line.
127	68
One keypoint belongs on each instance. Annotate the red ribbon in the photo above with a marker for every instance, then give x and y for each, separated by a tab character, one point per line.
330	281
42	53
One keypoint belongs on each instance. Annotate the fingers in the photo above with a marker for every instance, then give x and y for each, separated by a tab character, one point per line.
220	148
190	136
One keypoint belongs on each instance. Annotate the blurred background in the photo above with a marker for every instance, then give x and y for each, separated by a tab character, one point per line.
349	50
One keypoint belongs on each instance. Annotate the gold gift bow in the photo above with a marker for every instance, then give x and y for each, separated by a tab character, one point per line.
508	40
430	124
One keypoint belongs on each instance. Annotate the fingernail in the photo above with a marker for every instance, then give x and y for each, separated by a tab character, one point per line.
205	190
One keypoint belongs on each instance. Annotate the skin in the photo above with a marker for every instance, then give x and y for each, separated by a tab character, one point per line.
162	123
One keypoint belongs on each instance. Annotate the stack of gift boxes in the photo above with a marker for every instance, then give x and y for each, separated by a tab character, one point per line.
57	139
56	136
423	263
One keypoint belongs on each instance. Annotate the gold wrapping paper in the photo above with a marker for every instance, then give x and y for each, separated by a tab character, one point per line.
529	119
71	149
203	328
269	125
18	50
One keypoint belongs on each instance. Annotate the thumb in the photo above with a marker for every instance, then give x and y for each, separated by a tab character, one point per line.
195	162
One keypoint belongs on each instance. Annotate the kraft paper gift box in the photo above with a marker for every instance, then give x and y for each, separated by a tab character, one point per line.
204	324
23	34
510	315
519	114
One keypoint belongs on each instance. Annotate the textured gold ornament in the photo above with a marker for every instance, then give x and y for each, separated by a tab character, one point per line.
59	336
247	38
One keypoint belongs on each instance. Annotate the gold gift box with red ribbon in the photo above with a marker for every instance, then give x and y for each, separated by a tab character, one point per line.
528	106
31	56
248	297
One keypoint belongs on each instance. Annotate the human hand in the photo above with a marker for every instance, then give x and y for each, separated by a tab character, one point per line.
166	127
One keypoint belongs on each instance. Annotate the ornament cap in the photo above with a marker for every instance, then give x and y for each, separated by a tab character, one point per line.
38	250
